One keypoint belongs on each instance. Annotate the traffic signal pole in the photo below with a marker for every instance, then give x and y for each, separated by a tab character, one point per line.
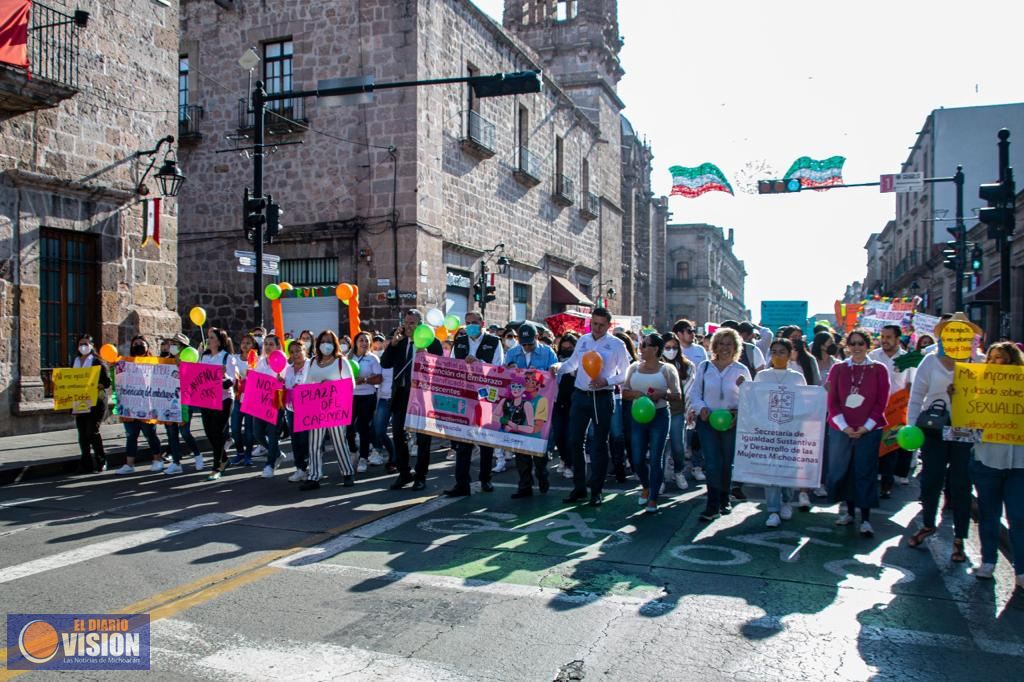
961	242
1005	236
259	111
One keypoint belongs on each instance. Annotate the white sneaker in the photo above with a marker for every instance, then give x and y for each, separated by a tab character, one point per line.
561	465
172	469
157	466
681	481
844	520
200	463
698	474
499	464
866	530
376	459
773	521
985	571
567	472
126	469
451	455
821	492
362	466
229	444
903	480
787	511
298	476
803	501
268	471
259	451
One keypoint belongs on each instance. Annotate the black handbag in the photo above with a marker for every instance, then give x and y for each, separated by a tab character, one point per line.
934	418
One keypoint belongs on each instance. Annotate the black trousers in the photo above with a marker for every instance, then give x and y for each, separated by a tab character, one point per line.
399	407
90	442
463	455
896	463
213	424
526	465
363	408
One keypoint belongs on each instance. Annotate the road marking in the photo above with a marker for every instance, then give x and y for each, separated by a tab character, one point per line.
118	544
24	501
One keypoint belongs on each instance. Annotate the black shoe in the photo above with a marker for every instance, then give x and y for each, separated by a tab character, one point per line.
544	486
457	492
574	497
347	481
596	500
487	486
309	485
737	493
725	509
708	515
401	482
620	475
885	493
520	494
419	485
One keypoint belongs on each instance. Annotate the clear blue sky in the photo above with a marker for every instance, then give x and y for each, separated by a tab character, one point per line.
754	83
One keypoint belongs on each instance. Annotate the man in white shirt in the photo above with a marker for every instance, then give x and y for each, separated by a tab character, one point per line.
592	402
684	331
895	465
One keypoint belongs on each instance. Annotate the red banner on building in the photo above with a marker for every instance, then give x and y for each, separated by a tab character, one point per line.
14	32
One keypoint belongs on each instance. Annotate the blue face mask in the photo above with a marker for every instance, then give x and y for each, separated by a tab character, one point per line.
473	330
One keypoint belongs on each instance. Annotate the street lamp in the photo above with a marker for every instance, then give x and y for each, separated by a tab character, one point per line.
170	176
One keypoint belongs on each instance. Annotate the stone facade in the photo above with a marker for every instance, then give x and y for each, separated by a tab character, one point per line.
71	259
410	193
705	279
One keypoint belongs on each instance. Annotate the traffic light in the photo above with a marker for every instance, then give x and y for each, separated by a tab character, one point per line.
274	212
999	214
476	292
976	255
778	186
951	256
489	293
252	208
518	83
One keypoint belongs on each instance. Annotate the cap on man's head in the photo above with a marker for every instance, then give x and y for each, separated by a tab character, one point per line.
493	328
745	328
181	339
730	324
527	334
379	337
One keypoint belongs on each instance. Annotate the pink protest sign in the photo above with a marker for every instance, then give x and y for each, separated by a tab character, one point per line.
201	385
260	396
318	406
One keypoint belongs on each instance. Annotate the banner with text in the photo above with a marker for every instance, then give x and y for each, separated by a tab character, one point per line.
202	385
990	398
148	390
780	435
77	389
479	403
323	405
895	418
260	397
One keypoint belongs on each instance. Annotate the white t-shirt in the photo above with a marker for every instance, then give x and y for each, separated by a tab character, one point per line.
293	377
897	379
369	366
230	369
783	377
695	353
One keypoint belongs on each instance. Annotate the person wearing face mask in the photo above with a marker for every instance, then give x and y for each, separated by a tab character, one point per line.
531	355
563	402
219	352
258	334
266	433
88	419
377	347
133	427
823	350
242	425
895	465
364	404
295	373
672	355
474	346
183	431
381	417
509	340
782	374
306	339
345	345
328	365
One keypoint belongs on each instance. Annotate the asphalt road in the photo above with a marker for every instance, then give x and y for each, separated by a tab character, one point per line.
249	579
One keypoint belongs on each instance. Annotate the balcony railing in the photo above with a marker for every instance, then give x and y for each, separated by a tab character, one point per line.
591	206
480	138
528	171
189	116
53	45
565	190
677	283
282	117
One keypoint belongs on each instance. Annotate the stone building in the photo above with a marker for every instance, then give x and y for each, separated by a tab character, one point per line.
71	259
705	279
409	194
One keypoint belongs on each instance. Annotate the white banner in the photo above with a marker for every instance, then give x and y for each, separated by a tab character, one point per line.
780	435
148	391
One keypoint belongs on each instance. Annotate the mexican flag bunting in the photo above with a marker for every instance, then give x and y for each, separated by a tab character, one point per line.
151	221
692	182
813	174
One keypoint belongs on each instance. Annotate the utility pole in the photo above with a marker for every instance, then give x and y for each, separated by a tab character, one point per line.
961	240
259	111
999	216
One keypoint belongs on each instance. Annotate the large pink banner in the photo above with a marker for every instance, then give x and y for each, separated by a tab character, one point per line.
479	403
319	406
202	385
260	396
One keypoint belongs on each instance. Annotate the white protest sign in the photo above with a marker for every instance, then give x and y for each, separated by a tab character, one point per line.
148	391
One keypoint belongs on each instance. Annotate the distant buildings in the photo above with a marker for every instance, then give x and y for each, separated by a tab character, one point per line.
704	278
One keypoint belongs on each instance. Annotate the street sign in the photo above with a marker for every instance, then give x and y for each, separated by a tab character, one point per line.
251	269
901	183
251	255
247	259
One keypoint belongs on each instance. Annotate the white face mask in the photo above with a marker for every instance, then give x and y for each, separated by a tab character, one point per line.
509	343
670	353
308	345
84	349
344	348
173	350
326	348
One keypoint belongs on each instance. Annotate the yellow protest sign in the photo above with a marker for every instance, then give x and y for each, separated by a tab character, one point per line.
990	398
75	388
958	340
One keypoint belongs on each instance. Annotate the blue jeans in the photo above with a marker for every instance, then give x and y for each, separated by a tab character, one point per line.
178	432
269	436
132	431
242	437
775	496
300	443
560	436
677	441
588	407
649	450
381	417
996	488
696	453
719	451
853	468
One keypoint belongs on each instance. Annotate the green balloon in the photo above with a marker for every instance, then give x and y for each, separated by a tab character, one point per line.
721	420
910	438
355	368
272	291
643	410
188	354
452	322
423	336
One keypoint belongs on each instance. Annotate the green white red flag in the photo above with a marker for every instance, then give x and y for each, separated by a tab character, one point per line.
692	182
151	221
813	174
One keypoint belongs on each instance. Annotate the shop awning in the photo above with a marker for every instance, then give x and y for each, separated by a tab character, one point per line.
565	292
986	294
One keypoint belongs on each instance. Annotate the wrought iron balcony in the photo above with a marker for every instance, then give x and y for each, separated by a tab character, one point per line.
528	171
282	117
677	283
189	116
480	138
565	190
52	74
591	207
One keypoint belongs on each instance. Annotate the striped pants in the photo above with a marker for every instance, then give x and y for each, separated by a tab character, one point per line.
317	439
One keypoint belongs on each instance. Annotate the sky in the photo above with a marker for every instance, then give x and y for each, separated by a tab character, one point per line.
751	85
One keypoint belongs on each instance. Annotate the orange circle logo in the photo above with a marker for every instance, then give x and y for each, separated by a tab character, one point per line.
38	642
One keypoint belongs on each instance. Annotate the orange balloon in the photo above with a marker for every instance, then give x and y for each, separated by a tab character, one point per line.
441	333
285	286
592	364
108	352
344	291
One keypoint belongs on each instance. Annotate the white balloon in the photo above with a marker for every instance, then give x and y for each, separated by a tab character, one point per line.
435	318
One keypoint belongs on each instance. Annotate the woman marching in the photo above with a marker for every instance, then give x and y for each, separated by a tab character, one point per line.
364	404
858	391
780	371
328	365
295	373
133	427
88	420
264	433
672	355
177	432
218	352
242	425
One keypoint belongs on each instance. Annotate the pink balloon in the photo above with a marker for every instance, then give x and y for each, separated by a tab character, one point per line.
277	361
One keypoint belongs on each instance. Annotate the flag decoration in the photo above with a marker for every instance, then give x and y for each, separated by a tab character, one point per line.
692	182
813	174
151	221
14	32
